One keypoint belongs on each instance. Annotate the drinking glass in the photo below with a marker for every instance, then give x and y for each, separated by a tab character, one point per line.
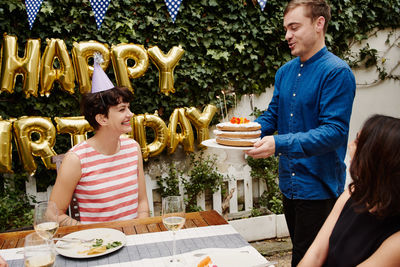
38	252
46	219
173	216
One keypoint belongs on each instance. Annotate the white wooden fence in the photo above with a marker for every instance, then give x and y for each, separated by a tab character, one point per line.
238	181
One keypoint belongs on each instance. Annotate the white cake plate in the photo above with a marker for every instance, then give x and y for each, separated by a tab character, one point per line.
212	143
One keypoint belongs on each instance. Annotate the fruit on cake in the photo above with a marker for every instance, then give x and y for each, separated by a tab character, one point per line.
238	131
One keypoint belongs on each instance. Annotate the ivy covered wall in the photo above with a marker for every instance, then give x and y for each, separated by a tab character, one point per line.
228	45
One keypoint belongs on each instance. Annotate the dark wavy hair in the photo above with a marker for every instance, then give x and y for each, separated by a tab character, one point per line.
375	167
316	8
100	103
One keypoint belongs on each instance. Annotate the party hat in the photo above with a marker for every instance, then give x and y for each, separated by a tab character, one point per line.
100	80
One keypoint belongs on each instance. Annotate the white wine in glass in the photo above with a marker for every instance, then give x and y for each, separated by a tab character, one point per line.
38	252
174	223
46	219
173	216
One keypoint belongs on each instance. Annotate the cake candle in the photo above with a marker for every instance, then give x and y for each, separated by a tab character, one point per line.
251	102
226	110
220	105
235	102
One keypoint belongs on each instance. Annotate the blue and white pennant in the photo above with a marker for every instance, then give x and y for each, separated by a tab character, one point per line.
173	8
99	8
32	8
262	4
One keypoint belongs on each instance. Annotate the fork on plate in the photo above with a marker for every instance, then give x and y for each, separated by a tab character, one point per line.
73	239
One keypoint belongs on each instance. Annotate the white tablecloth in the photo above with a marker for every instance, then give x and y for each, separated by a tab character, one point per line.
222	243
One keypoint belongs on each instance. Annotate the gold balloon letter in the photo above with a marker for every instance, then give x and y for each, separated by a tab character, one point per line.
160	130
5	145
185	136
77	127
120	55
45	133
166	65
140	134
81	52
12	65
201	121
56	49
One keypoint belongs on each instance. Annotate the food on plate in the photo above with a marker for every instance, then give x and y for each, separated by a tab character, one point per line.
239	131
98	247
206	262
95	250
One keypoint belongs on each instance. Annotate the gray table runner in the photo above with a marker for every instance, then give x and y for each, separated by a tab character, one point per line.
132	253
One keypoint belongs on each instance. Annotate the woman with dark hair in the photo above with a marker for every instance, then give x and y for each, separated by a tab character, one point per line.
105	172
363	228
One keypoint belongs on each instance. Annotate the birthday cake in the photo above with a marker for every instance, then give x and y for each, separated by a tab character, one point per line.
237	132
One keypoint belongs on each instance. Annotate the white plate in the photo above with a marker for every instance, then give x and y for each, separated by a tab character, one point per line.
214	144
74	249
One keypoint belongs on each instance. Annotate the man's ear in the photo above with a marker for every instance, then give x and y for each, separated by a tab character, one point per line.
101	119
320	23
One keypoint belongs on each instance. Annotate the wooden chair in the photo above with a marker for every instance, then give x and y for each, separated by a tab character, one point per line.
73	208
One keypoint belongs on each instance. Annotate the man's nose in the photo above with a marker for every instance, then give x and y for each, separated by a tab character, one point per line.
288	35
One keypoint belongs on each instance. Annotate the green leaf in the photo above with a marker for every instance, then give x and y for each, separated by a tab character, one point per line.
11	7
217	55
213	3
240	47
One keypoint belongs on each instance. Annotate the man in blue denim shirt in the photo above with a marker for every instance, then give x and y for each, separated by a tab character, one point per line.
310	109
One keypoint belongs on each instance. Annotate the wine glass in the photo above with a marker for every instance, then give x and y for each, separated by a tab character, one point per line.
46	219
173	217
38	252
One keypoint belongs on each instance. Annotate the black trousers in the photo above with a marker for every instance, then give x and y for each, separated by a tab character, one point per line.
304	218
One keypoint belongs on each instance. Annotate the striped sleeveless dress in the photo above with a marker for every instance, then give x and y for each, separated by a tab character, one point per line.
108	188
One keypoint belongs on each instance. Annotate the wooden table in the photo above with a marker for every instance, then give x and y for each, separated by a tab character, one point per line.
131	227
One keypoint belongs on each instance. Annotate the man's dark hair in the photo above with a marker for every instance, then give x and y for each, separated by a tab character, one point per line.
314	9
100	103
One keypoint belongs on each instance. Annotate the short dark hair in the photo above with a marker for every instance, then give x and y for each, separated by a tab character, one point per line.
375	167
100	103
316	8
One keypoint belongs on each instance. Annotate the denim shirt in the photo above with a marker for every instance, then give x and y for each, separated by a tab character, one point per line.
311	108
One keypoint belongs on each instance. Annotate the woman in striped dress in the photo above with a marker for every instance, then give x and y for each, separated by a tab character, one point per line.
105	172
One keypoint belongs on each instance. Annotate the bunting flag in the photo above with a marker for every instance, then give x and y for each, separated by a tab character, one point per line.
99	8
32	8
262	4
173	8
